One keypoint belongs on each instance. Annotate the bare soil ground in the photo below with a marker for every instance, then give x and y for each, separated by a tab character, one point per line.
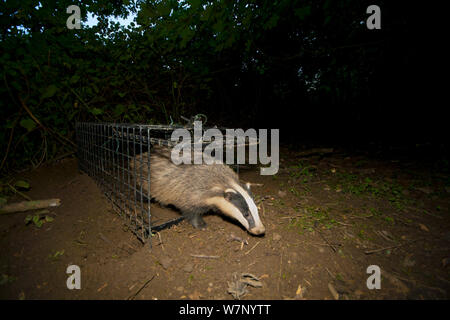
327	219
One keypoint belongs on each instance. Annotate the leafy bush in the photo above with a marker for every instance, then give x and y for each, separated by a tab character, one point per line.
231	60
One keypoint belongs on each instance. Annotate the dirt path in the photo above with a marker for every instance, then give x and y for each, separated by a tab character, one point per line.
327	220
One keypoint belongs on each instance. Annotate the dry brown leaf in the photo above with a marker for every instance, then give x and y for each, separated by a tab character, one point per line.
195	295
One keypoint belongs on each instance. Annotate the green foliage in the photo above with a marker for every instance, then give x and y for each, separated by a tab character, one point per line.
5	279
21	184
360	185
301	171
312	218
55	256
38	219
178	58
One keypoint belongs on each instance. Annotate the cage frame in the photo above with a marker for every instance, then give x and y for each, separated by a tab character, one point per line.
105	165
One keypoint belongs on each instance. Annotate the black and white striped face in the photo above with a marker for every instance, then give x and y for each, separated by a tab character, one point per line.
241	206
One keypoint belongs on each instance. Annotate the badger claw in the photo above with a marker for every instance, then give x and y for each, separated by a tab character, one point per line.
198	223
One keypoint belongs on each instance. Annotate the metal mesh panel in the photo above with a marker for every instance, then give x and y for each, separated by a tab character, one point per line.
117	157
112	154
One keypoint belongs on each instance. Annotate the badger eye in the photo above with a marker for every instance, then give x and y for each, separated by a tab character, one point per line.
246	214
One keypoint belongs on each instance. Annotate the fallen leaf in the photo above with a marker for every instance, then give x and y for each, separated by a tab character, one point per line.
299	292
195	295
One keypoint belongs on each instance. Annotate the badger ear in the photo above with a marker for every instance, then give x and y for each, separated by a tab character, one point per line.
228	195
247	186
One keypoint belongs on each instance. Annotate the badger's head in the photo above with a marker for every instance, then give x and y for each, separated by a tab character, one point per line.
237	202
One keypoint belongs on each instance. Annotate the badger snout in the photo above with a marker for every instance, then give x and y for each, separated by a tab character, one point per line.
257	230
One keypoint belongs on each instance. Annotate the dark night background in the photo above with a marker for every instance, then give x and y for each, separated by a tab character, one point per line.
309	68
363	176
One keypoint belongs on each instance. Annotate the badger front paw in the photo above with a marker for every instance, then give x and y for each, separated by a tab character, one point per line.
197	222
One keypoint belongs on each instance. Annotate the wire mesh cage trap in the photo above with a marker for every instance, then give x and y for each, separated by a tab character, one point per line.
110	154
117	157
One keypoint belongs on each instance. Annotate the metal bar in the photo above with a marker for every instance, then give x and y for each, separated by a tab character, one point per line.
114	156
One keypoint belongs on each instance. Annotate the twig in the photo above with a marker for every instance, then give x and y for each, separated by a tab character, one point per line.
63	156
22	137
19	193
390	247
325	239
252	248
416	282
329	272
31	114
291	217
324	244
204	256
140	289
385	237
251	183
236	238
423	211
263	210
104	238
102	287
9	145
44	152
333	291
382	249
362	217
56	133
279	277
344	224
160	240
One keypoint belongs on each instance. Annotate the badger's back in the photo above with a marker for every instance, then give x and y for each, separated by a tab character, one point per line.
184	185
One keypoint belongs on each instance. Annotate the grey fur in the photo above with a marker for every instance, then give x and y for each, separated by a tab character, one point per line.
186	186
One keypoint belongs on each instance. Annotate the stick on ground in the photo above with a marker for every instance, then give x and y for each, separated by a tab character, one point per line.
140	289
390	247
29	205
204	257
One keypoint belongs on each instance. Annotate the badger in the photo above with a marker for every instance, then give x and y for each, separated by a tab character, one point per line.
196	189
